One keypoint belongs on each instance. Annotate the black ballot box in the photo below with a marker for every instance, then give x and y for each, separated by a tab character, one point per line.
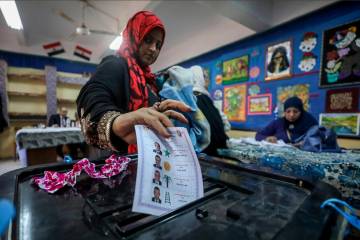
238	203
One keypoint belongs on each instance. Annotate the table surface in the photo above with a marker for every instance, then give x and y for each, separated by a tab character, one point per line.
32	138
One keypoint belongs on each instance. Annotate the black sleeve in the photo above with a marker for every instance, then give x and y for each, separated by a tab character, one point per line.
102	98
52	120
107	90
218	136
269	130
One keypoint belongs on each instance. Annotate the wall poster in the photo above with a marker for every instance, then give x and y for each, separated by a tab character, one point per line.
235	103
260	104
340	61
278	61
236	70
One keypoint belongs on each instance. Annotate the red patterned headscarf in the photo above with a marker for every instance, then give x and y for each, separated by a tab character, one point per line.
136	29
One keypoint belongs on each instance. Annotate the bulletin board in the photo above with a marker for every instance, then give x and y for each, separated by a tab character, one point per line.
288	60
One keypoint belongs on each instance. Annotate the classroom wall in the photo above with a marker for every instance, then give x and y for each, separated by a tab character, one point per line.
255	48
34	87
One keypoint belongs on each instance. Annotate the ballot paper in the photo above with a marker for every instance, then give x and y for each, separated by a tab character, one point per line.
168	171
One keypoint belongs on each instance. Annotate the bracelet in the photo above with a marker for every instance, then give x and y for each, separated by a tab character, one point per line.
104	129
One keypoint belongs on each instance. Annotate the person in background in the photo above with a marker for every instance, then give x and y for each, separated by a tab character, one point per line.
60	120
295	123
123	91
217	123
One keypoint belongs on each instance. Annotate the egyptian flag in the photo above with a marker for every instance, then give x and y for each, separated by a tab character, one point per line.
82	52
53	48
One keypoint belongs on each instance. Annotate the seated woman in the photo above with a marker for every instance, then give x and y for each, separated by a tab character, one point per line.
295	123
218	136
123	91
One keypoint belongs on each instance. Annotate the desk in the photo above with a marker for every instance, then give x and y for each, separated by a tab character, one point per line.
38	145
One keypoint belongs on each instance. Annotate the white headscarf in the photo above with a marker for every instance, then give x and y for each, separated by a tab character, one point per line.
199	81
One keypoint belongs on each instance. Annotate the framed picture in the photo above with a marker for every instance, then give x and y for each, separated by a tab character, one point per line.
235	103
342	100
346	124
259	104
235	70
340	60
278	61
285	92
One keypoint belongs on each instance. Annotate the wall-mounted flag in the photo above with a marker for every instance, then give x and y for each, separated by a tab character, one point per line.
82	52
54	48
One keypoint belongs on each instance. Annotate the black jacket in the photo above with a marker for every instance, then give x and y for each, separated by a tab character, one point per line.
108	90
55	119
218	136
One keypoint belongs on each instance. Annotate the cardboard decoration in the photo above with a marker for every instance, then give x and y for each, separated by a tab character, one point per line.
254	72
340	61
344	100
308	42
235	103
307	62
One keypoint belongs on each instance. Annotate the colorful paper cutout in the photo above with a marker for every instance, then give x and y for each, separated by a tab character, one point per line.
235	103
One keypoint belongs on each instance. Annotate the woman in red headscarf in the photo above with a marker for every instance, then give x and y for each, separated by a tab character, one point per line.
123	91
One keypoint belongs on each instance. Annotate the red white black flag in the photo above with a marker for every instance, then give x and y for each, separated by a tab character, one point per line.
54	48
82	52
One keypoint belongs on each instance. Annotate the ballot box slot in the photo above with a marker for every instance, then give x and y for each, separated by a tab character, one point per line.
148	220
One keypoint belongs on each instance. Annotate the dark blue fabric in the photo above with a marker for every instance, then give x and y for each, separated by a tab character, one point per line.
300	126
275	128
320	139
279	126
294	102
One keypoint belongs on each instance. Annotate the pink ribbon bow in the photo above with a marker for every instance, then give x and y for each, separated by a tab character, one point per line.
53	181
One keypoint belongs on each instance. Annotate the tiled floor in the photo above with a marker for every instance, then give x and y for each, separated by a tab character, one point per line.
9	165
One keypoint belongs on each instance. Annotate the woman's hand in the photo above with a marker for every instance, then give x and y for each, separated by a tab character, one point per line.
298	144
271	139
156	117
164	106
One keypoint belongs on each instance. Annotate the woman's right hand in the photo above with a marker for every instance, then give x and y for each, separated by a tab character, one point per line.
124	125
271	139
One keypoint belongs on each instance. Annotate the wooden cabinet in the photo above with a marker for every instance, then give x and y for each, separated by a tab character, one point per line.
66	94
26	90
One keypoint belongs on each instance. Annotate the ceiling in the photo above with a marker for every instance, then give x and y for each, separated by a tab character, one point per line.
192	27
